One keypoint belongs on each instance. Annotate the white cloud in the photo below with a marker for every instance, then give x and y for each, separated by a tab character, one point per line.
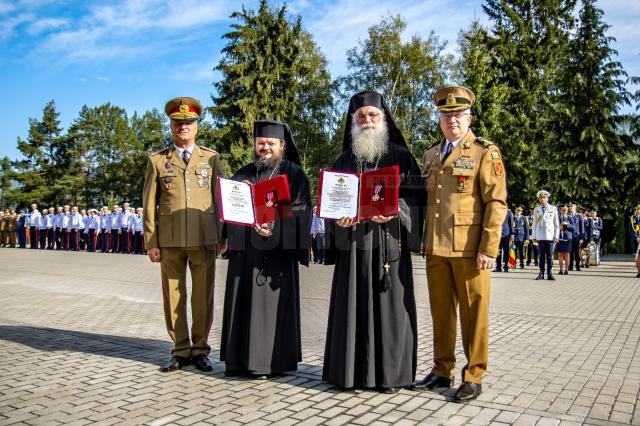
45	24
8	25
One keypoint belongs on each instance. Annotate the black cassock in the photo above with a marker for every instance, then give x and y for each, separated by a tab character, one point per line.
372	331
261	321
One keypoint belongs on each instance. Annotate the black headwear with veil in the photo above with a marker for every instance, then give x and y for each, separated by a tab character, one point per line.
372	99
278	130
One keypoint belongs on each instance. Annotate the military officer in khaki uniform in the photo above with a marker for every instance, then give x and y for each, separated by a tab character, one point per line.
4	228
181	226
466	205
12	226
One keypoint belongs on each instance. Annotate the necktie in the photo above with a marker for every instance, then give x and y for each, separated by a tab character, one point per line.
448	147
185	156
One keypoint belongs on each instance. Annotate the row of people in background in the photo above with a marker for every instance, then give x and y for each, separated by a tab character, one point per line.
634	233
72	229
579	235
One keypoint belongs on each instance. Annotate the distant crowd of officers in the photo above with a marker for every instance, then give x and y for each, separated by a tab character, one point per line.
72	229
579	234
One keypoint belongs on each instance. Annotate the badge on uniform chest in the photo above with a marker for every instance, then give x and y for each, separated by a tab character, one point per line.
203	175
463	166
167	182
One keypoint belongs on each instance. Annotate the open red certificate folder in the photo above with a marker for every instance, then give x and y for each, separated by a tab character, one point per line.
372	193
250	204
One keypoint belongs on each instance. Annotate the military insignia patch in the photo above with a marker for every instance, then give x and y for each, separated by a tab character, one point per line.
498	168
184	108
451	99
460	185
495	155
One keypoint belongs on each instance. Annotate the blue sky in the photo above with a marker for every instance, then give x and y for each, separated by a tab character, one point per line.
138	53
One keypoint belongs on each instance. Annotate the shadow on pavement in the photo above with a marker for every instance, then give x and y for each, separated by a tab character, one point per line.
149	351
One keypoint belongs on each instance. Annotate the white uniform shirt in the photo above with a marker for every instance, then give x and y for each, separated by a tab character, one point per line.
41	222
124	220
115	220
65	220
34	218
75	221
51	218
137	223
57	221
105	221
546	224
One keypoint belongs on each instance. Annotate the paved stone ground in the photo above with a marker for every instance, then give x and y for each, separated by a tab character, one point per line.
82	336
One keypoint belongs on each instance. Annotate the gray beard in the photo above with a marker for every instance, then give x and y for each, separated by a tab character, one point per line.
370	144
265	163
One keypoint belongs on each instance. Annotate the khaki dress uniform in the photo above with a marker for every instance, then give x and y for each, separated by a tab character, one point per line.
4	226
181	219
12	227
466	205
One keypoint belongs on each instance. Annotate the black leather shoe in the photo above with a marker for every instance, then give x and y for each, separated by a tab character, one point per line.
432	380
176	363
550	277
638	275
467	392
389	390
202	363
540	277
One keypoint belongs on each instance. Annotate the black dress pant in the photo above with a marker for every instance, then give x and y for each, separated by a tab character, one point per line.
545	248
520	252
91	238
42	234
115	241
73	240
124	241
532	253
33	237
503	255
137	242
574	257
22	237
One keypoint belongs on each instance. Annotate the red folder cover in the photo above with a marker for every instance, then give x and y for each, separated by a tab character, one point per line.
379	192
271	201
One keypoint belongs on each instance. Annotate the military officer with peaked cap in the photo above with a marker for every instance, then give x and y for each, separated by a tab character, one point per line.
181	227
466	205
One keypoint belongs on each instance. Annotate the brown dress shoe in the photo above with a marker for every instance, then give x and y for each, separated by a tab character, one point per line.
176	363
432	380
202	362
467	392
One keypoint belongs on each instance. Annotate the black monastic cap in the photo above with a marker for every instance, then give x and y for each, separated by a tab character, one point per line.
374	99
278	130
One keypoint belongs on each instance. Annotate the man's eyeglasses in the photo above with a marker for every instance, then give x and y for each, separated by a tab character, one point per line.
455	115
185	121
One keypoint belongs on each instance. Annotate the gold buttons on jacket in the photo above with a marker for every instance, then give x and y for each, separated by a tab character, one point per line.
439	186
438	201
437	215
441	172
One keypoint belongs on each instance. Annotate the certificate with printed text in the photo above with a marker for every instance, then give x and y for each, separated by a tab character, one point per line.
338	194
236	202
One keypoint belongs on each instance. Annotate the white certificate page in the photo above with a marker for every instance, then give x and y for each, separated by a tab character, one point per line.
236	201
339	195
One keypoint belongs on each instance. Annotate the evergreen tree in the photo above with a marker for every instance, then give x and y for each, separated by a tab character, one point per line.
476	72
6	175
269	67
528	42
37	170
588	157
405	73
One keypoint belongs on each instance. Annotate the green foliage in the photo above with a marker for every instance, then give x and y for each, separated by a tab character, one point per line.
587	156
528	41
405	73
271	69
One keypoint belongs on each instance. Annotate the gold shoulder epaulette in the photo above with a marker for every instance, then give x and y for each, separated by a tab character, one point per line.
485	142
208	149
161	152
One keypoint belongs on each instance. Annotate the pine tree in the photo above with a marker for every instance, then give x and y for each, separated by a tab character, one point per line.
6	175
269	67
478	74
407	74
588	157
528	42
37	170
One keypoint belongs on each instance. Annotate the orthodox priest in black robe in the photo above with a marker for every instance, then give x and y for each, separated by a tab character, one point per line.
261	321
372	331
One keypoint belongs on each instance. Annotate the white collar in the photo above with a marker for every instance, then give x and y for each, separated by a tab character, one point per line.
456	142
179	150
